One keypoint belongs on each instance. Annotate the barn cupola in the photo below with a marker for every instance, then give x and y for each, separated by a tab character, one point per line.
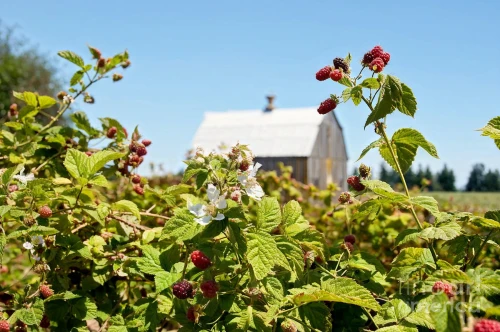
270	105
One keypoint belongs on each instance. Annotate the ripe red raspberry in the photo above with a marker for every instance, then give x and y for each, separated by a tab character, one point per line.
209	289
45	212
200	260
183	289
367	58
487	325
139	190
136	179
45	323
347	246
141	151
146	142
45	291
377	65
336	75
344	198
355	183
377	51
111	132
244	165
4	326
190	314
386	57
323	73
327	106
440	286
350	238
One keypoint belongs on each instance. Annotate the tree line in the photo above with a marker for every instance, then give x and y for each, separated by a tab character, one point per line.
480	178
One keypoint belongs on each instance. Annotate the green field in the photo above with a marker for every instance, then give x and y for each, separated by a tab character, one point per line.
467	201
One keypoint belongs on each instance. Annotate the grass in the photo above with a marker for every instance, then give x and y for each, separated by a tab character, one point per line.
476	202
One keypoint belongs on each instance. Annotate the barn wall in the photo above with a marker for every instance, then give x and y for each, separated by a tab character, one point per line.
299	165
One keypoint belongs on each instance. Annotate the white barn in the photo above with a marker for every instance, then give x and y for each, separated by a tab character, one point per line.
312	144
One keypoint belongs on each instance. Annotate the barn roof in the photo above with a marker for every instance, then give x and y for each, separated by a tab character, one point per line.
282	132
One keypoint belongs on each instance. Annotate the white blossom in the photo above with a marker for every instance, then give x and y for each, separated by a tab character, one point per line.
24	178
68	99
250	184
205	213
36	241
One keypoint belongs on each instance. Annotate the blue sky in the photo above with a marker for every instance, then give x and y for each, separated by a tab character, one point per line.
194	56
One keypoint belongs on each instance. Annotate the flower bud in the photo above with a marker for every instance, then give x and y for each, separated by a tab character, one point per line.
364	171
117	77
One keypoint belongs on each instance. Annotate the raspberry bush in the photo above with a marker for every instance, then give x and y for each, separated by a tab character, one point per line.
87	243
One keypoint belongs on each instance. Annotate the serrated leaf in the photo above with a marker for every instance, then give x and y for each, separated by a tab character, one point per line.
421	319
76	162
414	257
446	317
72	57
356	94
443	231
99	180
370	83
10	172
84	309
181	227
46	102
268	214
292	213
426	202
32	315
406	236
82	122
408	103
97	160
164	280
150	261
274	290
127	206
346	94
343	290
368	210
492	129
262	253
493	215
41	230
63	296
389	99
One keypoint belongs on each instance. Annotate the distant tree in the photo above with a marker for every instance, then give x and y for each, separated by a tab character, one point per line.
411	178
23	68
491	181
429	176
388	175
476	178
446	179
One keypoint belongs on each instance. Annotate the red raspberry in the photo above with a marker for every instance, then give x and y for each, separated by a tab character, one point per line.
487	325
146	142
190	314
88	153
355	183
111	132
209	289
323	73
347	246
200	260
4	326
141	151
327	106
13	109
377	51
386	57
350	238
244	165
45	323
133	147
377	65
367	58
136	179
45	212
440	286
139	190
336	75
183	289
344	198
45	291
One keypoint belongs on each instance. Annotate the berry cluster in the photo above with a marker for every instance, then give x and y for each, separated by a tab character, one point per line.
355	183
209	289
45	212
200	260
4	326
487	325
376	59
183	290
440	286
46	291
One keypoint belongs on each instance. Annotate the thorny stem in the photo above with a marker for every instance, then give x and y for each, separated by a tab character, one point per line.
388	142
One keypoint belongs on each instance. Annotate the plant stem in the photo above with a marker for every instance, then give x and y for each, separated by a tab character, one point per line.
371	318
471	264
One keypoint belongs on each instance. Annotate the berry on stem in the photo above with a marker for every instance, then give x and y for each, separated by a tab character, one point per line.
136	179
350	238
45	212
367	58
336	75
45	323
141	150
355	183
386	57
139	190
487	325
377	51
364	171
111	132
45	291
377	65
183	289
191	314
200	260
327	106
344	198
440	286
146	142
324	73
209	289
4	326
340	63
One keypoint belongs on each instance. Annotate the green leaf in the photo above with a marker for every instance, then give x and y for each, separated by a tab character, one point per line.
99	180
3	242
356	94
274	290
262	253
32	315
72	57
127	206
292	213
493	215
164	280
84	309
76	78
201	178
422	319
370	83
10	172
408	103
316	315
46	102
343	290
42	230
181	227
414	257
443	231
63	296
346	94
76	162
150	261
410	136
389	99
368	209
191	171
426	202
101	158
492	129
268	214
406	236
446	318
82	122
